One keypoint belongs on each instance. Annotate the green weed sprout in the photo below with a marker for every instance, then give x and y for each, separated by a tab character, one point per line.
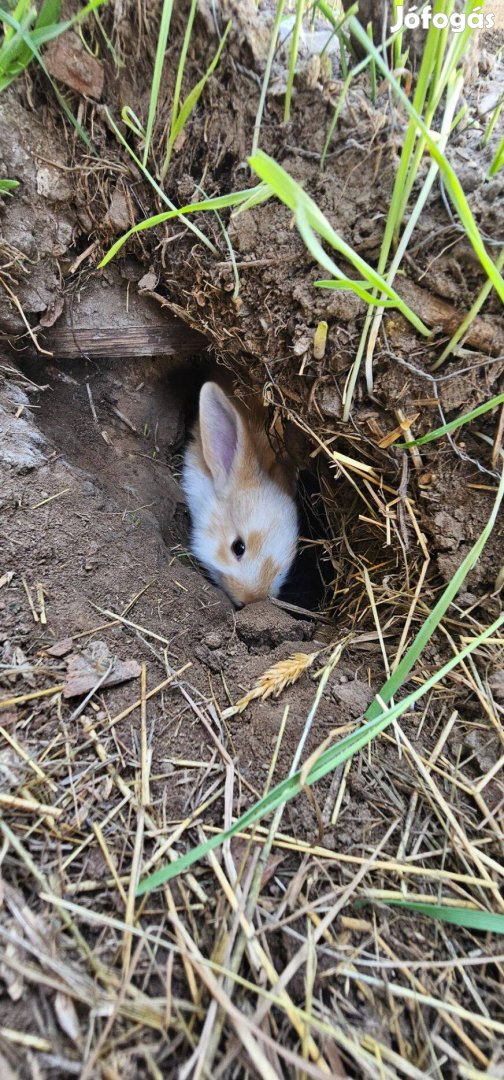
25	30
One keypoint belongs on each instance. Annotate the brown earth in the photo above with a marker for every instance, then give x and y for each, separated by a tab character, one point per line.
91	512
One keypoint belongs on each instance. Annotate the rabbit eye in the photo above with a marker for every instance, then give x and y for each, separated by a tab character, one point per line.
238	547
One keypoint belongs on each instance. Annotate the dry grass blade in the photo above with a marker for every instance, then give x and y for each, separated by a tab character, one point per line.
21	699
274	680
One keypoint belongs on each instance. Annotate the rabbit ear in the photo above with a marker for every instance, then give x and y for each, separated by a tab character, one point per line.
221	432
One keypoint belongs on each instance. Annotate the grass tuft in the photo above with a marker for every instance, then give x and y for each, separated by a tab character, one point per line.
24	33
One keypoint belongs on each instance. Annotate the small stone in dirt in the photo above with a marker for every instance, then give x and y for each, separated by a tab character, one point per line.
67	60
53	185
356	693
496	684
86	669
330	402
485	748
148	282
488	102
20	441
118	216
61	648
213	659
449	532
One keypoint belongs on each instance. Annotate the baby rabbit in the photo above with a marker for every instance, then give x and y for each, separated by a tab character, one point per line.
240	497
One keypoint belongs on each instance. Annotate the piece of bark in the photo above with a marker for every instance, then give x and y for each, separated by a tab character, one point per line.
68	61
86	669
61	648
485	333
169	337
52	313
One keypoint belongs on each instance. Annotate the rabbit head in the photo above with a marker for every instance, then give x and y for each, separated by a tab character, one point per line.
240	497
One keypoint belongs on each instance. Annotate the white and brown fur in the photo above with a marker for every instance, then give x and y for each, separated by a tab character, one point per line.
236	487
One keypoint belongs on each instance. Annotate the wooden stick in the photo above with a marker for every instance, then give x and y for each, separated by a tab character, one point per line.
169	337
485	334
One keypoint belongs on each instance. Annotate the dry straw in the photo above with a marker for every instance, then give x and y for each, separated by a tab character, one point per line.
274	680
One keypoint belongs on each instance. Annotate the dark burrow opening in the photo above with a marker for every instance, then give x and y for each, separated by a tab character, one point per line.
125	423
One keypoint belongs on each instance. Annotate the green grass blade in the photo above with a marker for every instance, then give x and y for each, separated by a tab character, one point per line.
442	55
130	118
372	67
19	14
329	760
195	94
292	194
293	55
493	120
92	5
12	48
192	100
119	63
49	13
267	73
342	281
29	40
311	243
259	194
45	31
173	212
8	187
488	922
498	160
426	100
162	41
452	97
336	24
219	203
356	70
452	182
357	287
180	76
446	429
469	318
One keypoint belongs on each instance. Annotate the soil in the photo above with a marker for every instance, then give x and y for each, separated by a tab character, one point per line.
92	517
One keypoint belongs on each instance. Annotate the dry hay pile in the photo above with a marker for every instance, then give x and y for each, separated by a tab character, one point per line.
279	953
